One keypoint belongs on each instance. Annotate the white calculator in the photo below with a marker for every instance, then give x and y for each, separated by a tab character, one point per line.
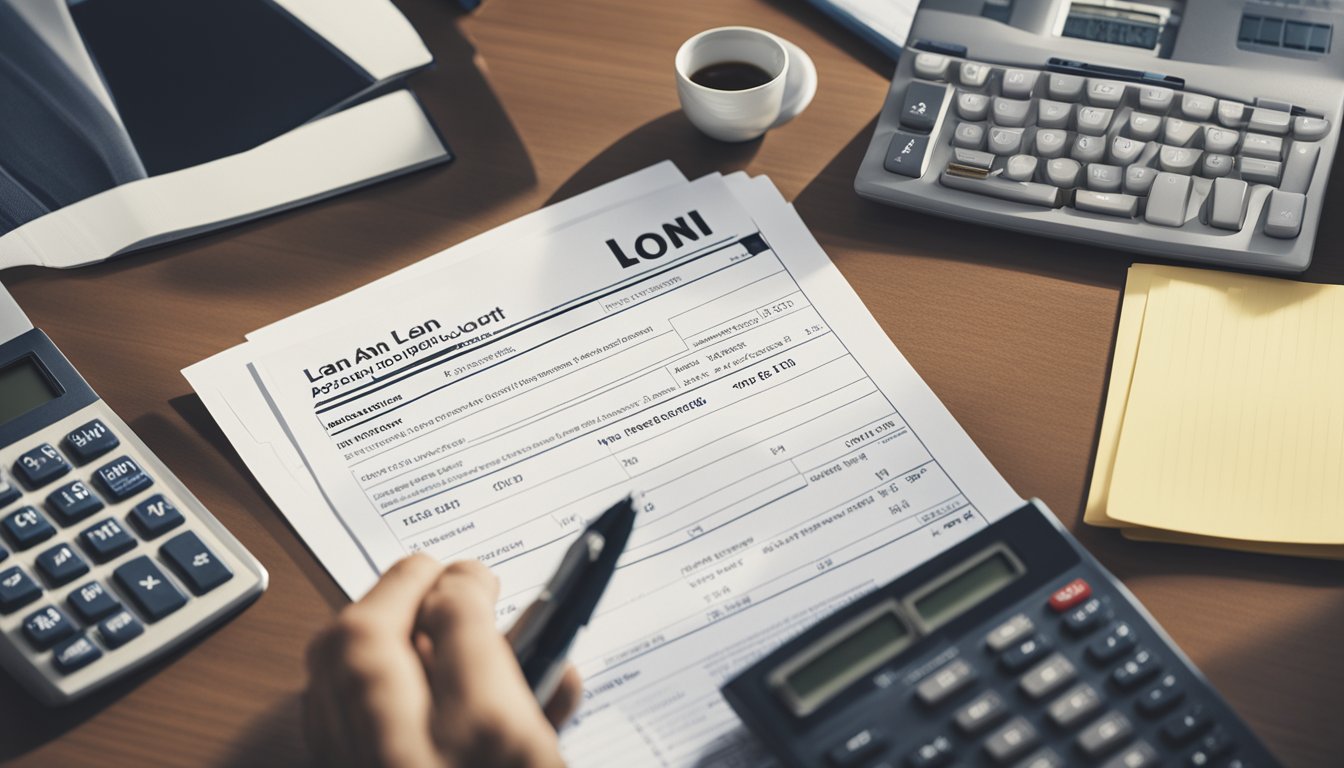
106	560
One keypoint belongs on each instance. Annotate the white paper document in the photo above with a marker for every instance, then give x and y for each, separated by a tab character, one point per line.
693	342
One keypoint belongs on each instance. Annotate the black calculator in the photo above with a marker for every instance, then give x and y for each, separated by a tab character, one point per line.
1014	648
106	560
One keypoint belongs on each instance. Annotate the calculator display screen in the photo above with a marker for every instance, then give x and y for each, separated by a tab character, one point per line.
1117	27
872	643
967	588
23	387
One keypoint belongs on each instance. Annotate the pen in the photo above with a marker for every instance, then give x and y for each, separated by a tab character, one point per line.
543	633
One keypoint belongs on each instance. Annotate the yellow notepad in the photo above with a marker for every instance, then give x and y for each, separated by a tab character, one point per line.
1224	420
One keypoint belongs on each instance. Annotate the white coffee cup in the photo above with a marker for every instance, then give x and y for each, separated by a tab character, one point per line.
746	114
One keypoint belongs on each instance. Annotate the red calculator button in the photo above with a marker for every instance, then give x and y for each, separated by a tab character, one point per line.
1069	595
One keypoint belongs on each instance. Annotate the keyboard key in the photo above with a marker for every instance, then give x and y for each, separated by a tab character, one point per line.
9	490
1053	114
1048	676
923	105
106	540
1088	149
1185	725
1271	121
972	159
27	527
1009	632
148	588
1167	200
1109	203
1137	755
982	711
1155	99
973	74
17	589
1065	87
47	627
1299	167
1125	151
61	565
1178	159
907	154
73	502
1051	143
1104	178
40	466
120	629
935	752
1020	167
75	653
1105	93
1257	171
1063	172
1262	146
1085	618
1025	653
1216	166
1310	128
1231	114
1030	193
972	106
1013	740
1075	705
937	687
92	602
1005	141
1143	126
1227	206
1009	112
1105	735
1179	133
90	441
1109	646
855	749
969	136
200	568
1220	141
155	516
1045	758
931	66
1283	214
123	478
1138	669
1093	121
1019	83
1160	697
1196	107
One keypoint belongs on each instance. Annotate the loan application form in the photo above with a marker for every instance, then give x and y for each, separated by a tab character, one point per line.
695	344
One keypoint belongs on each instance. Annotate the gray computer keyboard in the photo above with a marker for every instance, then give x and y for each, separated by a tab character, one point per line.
1200	130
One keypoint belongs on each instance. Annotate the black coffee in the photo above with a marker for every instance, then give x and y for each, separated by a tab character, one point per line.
731	76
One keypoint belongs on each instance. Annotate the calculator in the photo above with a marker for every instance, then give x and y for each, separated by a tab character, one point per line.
106	560
1201	130
1013	648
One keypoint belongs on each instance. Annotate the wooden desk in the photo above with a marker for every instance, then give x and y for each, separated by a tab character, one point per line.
1013	332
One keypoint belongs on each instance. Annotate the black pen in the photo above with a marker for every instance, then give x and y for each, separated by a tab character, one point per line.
543	633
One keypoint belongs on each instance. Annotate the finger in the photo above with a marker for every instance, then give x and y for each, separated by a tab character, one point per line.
394	600
566	698
457	615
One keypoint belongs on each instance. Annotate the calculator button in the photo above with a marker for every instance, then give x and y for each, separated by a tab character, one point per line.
92	602
4	554
933	753
17	589
74	654
73	502
1185	725
1137	755
119	629
61	565
1018	83
40	466
1011	741
90	441
1212	745
123	478
148	588
1108	647
1160	696
1105	93
973	74
1025	653
27	527
1136	670
47	627
980	713
106	540
1074	705
907	153
1045	758
1105	735
1283	214
853	750
200	568
1309	128
155	516
946	681
923	105
1085	618
1230	113
1064	87
1048	676
9	490
931	66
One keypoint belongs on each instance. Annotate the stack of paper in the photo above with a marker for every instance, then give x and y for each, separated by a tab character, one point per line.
688	339
1224	424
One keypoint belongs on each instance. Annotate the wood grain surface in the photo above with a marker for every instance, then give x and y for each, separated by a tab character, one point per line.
544	99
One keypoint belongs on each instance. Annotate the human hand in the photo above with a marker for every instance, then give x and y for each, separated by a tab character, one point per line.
415	674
